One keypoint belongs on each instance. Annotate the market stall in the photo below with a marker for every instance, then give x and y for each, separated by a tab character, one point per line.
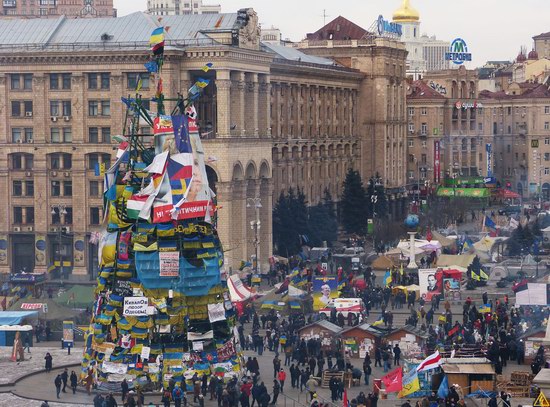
360	339
25	283
411	340
471	374
12	322
326	331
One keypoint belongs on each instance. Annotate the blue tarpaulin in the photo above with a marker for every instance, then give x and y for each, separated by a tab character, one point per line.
15	317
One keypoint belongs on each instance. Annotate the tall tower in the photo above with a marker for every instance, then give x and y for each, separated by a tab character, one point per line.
409	18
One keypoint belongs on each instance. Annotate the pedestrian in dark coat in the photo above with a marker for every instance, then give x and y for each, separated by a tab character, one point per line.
65	378
124	389
74	381
49	362
57	383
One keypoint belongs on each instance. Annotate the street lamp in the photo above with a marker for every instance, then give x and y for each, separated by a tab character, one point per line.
374	182
62	210
255	226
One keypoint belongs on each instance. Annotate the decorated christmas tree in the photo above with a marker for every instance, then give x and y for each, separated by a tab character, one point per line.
162	311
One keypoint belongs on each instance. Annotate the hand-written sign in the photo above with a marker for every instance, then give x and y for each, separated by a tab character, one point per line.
169	264
123	288
135	306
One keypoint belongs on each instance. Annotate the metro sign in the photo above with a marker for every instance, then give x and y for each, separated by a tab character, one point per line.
458	52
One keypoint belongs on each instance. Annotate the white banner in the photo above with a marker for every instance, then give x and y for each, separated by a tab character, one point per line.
169	264
145	352
111	367
135	306
216	312
197	336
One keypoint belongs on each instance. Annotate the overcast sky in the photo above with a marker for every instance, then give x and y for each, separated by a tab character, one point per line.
493	29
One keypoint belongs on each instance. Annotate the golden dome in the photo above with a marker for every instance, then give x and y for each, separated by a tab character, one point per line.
405	13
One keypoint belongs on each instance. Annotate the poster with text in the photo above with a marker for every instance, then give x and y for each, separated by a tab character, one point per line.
430	282
169	264
324	290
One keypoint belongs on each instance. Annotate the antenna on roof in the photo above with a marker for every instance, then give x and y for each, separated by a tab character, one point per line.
325	15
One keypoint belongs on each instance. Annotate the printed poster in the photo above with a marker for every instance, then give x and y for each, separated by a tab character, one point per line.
169	264
430	282
135	306
40	250
325	289
216	312
68	332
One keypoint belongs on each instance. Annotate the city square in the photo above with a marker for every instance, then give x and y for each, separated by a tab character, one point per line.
229	204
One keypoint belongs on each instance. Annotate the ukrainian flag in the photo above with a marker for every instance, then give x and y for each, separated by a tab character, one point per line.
483	275
387	279
157	36
484	309
294	305
341	285
202	83
208	66
173	359
379	321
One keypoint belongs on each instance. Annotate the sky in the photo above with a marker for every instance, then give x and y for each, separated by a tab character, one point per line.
493	29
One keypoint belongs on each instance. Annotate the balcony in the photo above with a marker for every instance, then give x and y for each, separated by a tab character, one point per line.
9	3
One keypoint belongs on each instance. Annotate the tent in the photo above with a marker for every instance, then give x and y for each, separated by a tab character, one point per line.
292	291
382	263
461	261
78	296
16	317
238	292
445	241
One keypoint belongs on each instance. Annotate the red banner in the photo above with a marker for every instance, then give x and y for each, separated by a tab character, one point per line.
227	351
437	161
393	381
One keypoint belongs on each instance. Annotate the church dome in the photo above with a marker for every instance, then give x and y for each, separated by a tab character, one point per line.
533	55
521	57
405	13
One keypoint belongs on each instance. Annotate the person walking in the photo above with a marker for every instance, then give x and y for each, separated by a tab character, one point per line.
276	391
65	378
57	383
166	398
74	381
276	366
282	377
49	362
177	395
396	354
367	370
110	401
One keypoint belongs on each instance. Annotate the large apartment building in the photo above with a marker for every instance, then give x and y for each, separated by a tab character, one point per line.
177	7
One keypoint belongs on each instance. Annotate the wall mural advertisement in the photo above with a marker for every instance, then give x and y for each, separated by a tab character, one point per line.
437	161
4	250
40	250
324	289
430	282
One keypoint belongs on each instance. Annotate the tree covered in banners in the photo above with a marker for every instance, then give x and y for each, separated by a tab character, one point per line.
354	203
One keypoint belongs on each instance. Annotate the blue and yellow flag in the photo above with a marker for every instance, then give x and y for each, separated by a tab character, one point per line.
379	321
411	384
387	279
484	309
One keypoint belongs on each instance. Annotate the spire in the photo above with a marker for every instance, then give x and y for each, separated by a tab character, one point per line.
406	13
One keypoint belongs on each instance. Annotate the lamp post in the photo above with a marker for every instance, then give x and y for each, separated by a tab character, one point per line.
255	226
374	182
62	211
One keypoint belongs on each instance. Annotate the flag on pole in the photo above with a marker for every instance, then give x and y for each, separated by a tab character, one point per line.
431	362
411	384
157	41
387	278
393	381
490	223
345	402
443	390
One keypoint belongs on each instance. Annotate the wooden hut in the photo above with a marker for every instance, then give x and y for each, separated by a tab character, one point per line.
326	331
471	374
360	339
411	340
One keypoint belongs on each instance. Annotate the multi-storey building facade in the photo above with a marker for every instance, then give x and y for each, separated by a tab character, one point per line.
542	44
519	121
446	134
381	118
57	8
177	7
271	118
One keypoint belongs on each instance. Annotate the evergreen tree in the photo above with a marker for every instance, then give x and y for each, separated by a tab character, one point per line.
329	203
353	204
323	226
290	223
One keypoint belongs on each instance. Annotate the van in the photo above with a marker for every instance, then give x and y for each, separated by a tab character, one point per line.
345	306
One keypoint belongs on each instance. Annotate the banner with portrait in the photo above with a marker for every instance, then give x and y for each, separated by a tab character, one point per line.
430	282
324	289
3	250
39	250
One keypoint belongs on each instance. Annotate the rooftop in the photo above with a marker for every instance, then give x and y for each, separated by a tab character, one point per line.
421	90
324	324
528	91
131	31
293	54
338	29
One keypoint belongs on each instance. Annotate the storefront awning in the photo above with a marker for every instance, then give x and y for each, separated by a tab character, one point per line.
464	192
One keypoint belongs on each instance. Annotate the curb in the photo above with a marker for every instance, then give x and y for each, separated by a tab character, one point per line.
14	382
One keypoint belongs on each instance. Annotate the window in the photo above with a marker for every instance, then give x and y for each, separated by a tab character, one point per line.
105	80
94	189
424	144
54	81
508	110
66	81
16	135
508	148
68	217
55	189
106	134
547	141
67	188
411	158
55	135
15	108
54	108
105	107
95	159
424	129
27	81
99	80
29	215
93	108
546	156
480	126
15	81
134	77
17	214
99	135
546	109
29	188
546	125
424	159
56	217
61	161
411	143
93	135
423	111
411	128
21	161
411	111
546	171
92	81
95	217
67	134
66	107
17	189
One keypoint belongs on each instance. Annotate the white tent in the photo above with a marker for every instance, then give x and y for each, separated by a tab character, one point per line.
237	291
292	291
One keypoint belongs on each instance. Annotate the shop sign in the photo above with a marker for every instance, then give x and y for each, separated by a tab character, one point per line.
458	52
387	27
468	105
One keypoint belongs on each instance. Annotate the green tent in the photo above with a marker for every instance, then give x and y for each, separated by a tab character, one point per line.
78	296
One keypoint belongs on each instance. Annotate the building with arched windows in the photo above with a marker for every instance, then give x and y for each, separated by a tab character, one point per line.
272	117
